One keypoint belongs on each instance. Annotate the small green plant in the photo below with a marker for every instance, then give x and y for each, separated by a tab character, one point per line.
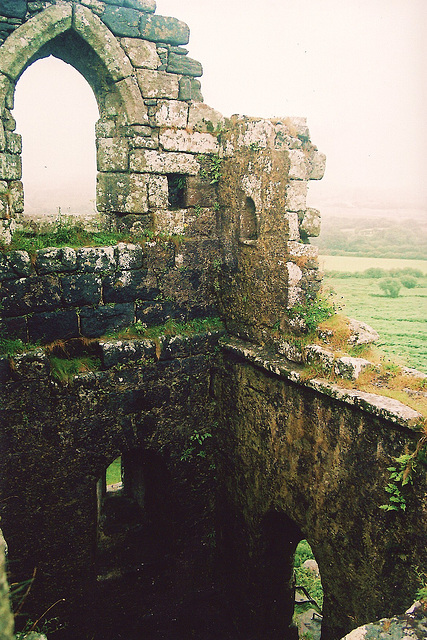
402	475
197	210
254	146
197	446
64	369
216	206
313	312
215	169
211	169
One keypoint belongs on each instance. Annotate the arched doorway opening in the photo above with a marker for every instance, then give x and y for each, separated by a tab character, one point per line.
56	111
308	593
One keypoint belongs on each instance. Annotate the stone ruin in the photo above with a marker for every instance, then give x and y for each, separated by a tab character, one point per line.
222	205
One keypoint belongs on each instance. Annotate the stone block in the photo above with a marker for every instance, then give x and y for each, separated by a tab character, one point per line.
29	38
149	6
291	226
171	113
55	260
314	354
144	161
95	323
13	8
135	110
9	122
28	295
201	117
310	224
143	142
170	222
117	352
20	262
6	271
181	140
7	228
158	84
105	128
96	259
100	39
299	166
128	286
164	29
184	65
10	167
14	328
152	313
30	365
81	290
122	193
5	87
122	21
112	154
141	53
158	192
129	256
190	89
97	6
13	142
296	194
317	165
199	193
16	191
350	368
58	325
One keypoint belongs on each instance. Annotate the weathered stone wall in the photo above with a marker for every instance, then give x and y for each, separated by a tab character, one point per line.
88	292
57	441
297	464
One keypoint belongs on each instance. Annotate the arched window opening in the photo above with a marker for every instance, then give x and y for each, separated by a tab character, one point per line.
113	476
56	111
308	593
248	221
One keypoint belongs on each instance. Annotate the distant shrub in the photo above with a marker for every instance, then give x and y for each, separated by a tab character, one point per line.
374	272
408	282
390	286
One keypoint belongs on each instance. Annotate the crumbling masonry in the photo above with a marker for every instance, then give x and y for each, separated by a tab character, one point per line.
222	203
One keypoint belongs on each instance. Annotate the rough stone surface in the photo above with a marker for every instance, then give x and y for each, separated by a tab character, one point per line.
122	193
201	117
158	84
198	143
141	53
182	64
26	41
143	161
171	113
361	333
164	29
410	626
310	224
94	32
122	21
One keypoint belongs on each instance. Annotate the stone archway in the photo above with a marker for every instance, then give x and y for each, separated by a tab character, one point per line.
77	36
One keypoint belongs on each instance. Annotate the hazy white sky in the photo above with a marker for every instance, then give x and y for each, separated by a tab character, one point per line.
356	69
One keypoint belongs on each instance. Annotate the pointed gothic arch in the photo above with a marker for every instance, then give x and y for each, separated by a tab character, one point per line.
78	37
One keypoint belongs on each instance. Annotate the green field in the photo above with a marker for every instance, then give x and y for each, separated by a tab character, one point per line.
350	263
401	322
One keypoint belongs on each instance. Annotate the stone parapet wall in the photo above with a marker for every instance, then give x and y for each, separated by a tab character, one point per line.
66	293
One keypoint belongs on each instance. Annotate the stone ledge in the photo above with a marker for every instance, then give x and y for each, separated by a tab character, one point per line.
381	406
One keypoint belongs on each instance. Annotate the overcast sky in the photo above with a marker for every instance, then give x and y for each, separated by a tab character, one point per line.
356	69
